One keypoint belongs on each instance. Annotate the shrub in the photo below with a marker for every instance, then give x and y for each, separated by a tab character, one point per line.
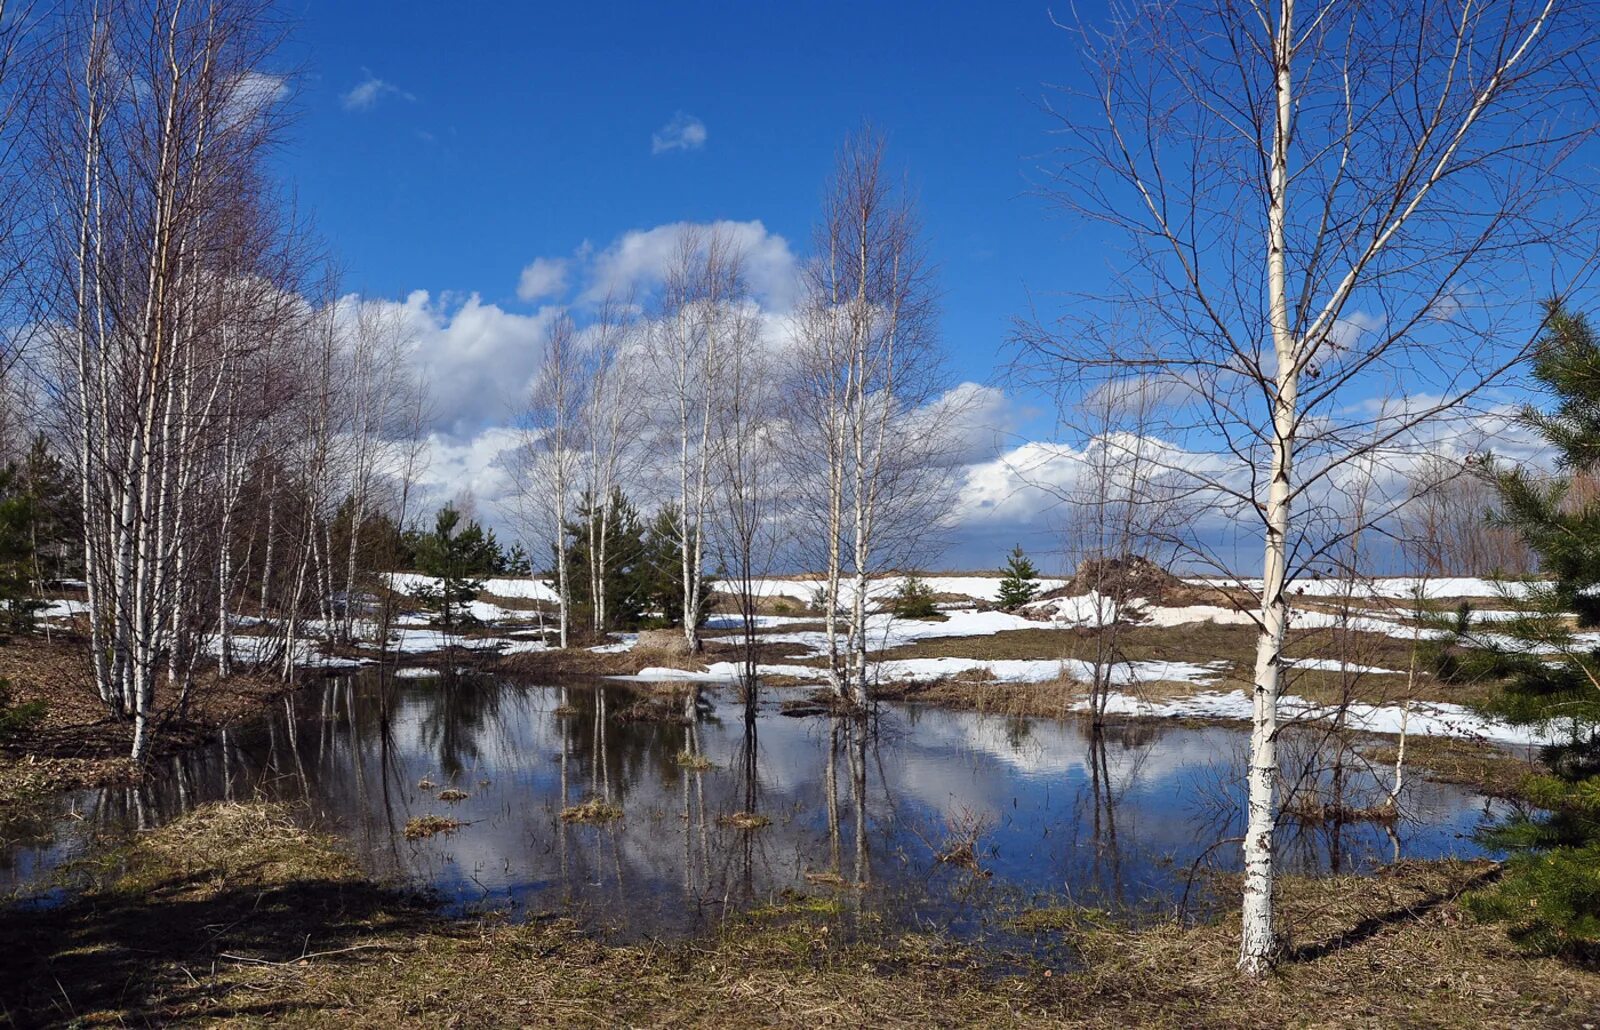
914	600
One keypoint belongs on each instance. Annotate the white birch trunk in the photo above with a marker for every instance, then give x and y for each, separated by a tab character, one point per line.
1258	940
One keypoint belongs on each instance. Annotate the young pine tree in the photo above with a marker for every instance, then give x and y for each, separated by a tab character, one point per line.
1019	580
18	514
914	599
457	556
625	579
663	571
1550	677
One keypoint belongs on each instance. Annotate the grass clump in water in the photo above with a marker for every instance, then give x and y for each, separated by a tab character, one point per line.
424	826
592	811
228	844
693	762
744	820
451	794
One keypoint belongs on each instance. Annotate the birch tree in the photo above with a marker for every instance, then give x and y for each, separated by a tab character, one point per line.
747	522
1321	203
613	421
702	313
868	384
551	456
161	115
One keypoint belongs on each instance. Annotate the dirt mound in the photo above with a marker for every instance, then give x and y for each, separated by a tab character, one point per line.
663	641
1126	577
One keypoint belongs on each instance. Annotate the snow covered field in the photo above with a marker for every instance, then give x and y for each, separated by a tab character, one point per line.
520	632
1392	587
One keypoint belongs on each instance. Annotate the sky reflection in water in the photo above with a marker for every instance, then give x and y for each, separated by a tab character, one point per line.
1115	823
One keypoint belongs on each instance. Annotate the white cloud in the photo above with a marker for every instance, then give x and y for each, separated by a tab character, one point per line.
476	464
544	277
638	260
478	360
253	95
978	419
1348	331
682	132
366	94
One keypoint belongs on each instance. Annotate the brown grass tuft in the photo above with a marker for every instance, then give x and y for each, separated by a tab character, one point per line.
424	826
744	820
593	810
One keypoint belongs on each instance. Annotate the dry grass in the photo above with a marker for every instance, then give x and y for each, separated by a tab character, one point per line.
1483	767
451	794
744	820
593	810
1053	699
694	762
1204	642
233	915
221	843
422	827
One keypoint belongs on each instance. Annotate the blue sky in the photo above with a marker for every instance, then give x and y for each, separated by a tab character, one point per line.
442	152
498	133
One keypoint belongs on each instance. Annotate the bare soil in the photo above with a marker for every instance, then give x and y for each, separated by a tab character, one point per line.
78	743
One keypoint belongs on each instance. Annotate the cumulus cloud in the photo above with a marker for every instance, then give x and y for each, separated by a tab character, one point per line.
476	464
1348	331
638	261
682	132
477	359
367	93
544	277
1024	494
979	420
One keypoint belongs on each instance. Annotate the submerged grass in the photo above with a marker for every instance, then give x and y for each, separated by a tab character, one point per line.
1060	919
234	915
593	810
424	826
1310	811
694	762
744	820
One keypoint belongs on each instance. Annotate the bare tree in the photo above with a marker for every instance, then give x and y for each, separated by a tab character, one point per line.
1122	511
747	522
1323	203
869	415
161	115
550	459
20	66
702	313
614	421
1446	525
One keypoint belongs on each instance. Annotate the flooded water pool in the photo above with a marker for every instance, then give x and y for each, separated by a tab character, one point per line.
853	816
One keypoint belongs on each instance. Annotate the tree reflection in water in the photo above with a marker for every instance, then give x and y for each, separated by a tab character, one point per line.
1112	819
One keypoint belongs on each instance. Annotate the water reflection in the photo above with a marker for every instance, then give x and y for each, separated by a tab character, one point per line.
738	806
